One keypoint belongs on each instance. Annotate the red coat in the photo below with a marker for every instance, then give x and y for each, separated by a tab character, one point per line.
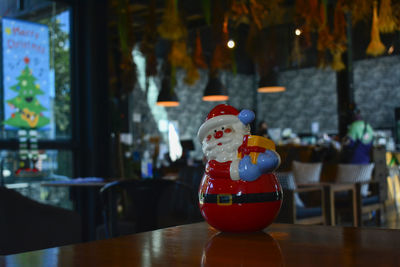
238	206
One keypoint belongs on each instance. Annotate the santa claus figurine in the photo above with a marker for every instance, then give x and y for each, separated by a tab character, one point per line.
238	192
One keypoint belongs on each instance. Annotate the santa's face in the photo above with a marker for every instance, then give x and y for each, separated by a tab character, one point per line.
221	143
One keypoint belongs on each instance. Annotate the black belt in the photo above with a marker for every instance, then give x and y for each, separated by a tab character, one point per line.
229	199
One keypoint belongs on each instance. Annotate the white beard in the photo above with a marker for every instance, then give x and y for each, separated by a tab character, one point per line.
225	152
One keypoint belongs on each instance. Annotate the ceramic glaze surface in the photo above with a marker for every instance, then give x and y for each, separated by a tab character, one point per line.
240	217
238	192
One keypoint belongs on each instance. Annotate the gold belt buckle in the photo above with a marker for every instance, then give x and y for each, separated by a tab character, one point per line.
224	199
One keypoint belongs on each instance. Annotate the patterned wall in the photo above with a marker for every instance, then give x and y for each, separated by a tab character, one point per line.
377	89
310	96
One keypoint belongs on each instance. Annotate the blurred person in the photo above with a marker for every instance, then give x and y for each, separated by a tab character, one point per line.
262	129
358	142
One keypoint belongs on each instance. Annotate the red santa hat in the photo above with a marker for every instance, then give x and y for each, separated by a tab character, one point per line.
220	115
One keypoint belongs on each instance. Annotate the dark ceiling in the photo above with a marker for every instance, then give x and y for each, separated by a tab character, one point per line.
191	11
282	35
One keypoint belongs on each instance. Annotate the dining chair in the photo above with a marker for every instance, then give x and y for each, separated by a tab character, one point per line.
300	205
306	172
368	201
27	225
369	206
147	205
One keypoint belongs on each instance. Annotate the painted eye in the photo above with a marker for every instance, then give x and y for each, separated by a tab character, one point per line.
223	128
215	131
208	137
227	130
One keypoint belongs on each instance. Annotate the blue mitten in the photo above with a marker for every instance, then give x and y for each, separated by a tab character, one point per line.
267	161
247	170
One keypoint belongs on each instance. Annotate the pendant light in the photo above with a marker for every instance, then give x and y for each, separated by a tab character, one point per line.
215	90
269	83
167	96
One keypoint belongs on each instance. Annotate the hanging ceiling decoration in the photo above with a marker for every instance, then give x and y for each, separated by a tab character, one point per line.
198	57
148	43
310	17
171	27
121	42
387	22
325	40
339	37
375	47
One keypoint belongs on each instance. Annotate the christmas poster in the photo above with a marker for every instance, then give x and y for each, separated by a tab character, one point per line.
26	75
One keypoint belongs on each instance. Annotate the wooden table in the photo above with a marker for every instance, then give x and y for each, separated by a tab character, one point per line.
200	245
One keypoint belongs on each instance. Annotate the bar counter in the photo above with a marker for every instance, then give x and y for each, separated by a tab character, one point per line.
200	245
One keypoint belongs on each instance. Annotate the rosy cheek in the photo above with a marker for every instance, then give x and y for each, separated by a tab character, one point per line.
208	138
228	130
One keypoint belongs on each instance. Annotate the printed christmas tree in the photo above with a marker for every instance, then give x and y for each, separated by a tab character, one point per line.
28	110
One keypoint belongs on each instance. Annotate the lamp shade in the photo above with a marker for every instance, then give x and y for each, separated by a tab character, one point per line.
215	90
167	96
269	83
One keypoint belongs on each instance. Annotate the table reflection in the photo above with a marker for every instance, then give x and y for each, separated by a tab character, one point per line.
247	249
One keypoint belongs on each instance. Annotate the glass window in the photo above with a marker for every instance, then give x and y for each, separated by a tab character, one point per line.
35	89
36	77
50	163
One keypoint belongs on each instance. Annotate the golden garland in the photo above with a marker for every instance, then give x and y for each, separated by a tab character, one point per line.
339	44
387	22
324	38
171	27
375	47
360	10
198	57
